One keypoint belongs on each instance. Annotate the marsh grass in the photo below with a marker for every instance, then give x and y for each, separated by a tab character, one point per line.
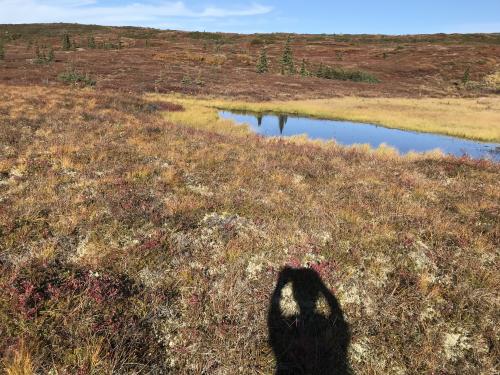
477	119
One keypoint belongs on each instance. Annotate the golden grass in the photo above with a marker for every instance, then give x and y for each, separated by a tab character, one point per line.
493	80
202	116
131	244
20	363
467	118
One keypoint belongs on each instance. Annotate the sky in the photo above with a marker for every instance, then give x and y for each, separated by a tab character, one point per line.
242	16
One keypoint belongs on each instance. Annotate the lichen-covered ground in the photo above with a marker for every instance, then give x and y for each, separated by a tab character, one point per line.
133	244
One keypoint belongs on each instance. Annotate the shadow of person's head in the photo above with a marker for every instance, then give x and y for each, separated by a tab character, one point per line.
307	330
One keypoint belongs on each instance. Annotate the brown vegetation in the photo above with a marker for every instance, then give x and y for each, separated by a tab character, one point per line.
130	244
134	59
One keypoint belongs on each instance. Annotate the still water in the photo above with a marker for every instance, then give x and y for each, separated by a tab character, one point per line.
349	133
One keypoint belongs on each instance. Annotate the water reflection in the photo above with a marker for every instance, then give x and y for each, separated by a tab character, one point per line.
348	133
259	120
282	122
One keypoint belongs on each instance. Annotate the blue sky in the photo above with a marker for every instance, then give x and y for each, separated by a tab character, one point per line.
323	16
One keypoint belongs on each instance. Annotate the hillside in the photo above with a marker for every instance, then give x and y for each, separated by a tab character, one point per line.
224	64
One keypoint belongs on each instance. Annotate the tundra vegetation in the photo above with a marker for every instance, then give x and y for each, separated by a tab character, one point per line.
141	233
263	64
66	42
131	59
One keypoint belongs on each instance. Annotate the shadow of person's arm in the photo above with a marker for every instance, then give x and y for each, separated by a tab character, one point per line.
284	277
332	302
340	326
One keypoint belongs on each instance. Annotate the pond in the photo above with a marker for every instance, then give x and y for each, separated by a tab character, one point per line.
349	133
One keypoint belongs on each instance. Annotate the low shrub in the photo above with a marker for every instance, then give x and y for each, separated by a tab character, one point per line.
328	72
44	55
492	81
66	42
189	81
77	78
203	35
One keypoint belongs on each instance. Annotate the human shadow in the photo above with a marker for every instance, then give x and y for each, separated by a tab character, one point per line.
307	330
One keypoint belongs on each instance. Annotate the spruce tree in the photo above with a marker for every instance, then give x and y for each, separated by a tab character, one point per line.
91	42
466	76
321	73
50	56
303	69
262	64
287	65
38	54
2	51
66	43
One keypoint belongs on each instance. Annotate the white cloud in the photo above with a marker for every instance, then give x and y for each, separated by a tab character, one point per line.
149	13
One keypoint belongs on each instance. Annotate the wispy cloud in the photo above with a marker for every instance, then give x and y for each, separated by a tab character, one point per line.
147	13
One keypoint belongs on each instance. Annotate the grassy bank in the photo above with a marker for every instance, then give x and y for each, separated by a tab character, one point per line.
477	119
131	244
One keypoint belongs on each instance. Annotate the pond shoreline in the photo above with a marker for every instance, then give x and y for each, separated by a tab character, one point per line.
349	133
475	119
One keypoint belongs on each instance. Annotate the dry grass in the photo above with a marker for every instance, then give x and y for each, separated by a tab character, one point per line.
132	244
19	362
468	118
493	81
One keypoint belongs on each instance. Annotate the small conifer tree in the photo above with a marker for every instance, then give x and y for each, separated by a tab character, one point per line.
466	76
303	69
91	42
2	51
321	71
66	43
38	54
50	56
287	65
262	64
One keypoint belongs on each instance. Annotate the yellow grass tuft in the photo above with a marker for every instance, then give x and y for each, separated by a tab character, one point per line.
467	118
20	362
493	80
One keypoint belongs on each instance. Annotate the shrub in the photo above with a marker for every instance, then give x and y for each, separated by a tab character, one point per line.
262	64
77	78
110	44
66	42
287	65
188	81
327	72
257	42
492	81
203	35
303	69
466	76
50	55
91	42
44	55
